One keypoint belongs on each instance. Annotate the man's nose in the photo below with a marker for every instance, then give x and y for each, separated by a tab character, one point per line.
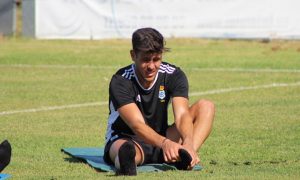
151	65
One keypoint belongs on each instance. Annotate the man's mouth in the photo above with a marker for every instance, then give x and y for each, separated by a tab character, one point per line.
150	74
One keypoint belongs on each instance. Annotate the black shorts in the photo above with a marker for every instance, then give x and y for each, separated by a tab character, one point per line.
152	154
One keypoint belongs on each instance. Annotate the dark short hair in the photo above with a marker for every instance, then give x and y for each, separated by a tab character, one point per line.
148	40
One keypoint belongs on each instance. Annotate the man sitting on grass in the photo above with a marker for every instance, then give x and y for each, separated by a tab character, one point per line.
139	94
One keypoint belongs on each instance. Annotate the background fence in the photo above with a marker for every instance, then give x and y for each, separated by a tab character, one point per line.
99	19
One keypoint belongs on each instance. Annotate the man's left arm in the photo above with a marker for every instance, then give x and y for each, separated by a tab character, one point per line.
184	125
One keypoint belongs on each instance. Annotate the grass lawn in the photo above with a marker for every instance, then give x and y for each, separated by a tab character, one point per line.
255	86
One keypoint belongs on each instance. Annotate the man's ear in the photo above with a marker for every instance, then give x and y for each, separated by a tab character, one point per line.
132	54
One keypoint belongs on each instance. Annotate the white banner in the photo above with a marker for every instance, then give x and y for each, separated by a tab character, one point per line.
99	19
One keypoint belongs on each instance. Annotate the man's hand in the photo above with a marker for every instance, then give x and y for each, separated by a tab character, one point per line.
170	150
187	145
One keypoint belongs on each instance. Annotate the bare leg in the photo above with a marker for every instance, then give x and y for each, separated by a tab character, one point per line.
203	112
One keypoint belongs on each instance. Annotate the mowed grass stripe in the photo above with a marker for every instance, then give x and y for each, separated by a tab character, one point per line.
59	66
217	91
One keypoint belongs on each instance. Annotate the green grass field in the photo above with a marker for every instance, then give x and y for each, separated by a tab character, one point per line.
255	86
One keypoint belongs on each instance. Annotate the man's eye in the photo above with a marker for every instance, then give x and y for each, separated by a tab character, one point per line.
157	59
146	60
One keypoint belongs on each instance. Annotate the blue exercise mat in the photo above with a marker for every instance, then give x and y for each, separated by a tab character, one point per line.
4	176
94	157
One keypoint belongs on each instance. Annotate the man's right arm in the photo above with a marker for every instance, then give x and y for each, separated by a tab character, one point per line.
134	119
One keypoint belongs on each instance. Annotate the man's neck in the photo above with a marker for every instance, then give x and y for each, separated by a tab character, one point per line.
142	81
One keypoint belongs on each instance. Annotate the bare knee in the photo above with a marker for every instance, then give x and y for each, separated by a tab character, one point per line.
203	108
206	105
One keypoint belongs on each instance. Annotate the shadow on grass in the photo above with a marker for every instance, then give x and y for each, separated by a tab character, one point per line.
248	163
73	160
112	175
